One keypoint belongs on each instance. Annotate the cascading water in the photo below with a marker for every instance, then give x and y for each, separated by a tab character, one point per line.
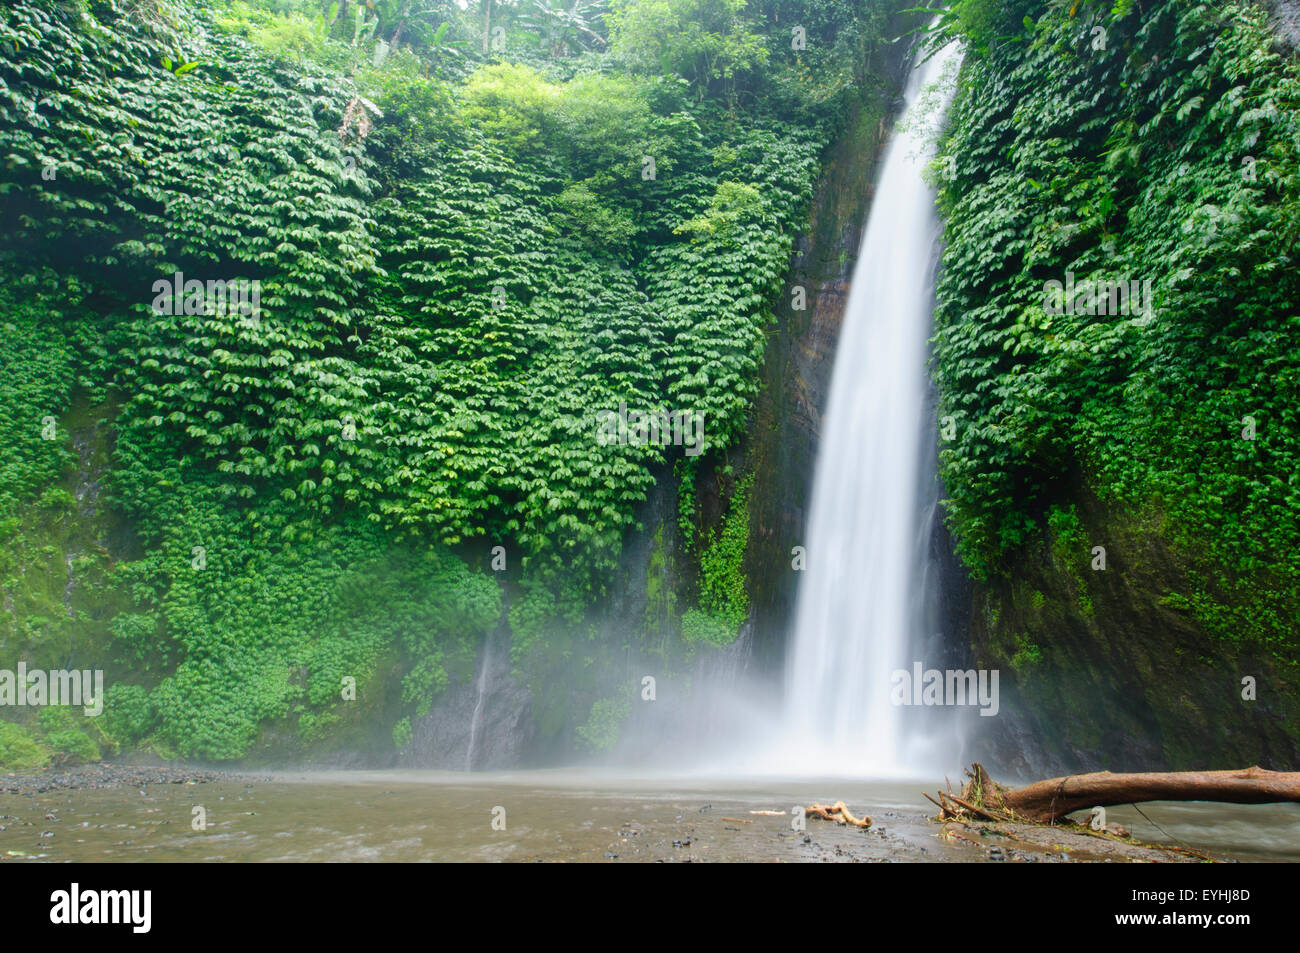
861	605
480	693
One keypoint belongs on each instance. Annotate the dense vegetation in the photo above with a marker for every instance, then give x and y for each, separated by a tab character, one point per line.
1150	141
471	232
475	234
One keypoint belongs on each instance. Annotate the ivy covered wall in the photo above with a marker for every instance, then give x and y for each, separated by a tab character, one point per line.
1123	478
287	528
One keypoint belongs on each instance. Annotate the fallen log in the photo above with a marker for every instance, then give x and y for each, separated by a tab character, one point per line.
1046	802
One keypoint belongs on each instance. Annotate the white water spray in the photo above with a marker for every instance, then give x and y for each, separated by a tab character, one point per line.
860	609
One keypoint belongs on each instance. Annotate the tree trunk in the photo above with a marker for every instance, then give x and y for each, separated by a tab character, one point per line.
1048	801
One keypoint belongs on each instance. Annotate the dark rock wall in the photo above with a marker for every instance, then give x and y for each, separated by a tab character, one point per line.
1102	671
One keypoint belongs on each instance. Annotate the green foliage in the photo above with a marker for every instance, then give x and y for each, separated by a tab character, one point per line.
19	751
1027	655
34	390
685	471
1069	544
74	744
723	602
581	212
604	723
661	597
1167	156
356	39
985	24
565	26
294	34
722	571
402	733
707	42
509	103
699	625
460	264
129	715
731	203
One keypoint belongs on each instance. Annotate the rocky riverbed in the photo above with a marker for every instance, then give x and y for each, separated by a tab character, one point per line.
107	774
173	813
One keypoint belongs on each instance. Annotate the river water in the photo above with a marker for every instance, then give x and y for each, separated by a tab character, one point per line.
562	815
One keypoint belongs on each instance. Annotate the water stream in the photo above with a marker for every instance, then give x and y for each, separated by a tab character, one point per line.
862	606
475	721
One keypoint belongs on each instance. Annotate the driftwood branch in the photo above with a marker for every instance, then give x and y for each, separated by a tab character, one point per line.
837	812
1046	802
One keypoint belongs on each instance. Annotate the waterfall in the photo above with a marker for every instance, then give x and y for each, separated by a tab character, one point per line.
861	611
480	693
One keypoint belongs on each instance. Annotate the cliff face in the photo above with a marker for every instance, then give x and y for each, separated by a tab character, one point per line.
1286	20
1100	668
1103	670
534	716
1167	654
800	360
659	573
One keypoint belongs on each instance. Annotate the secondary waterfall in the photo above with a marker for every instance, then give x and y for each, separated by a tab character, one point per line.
861	609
